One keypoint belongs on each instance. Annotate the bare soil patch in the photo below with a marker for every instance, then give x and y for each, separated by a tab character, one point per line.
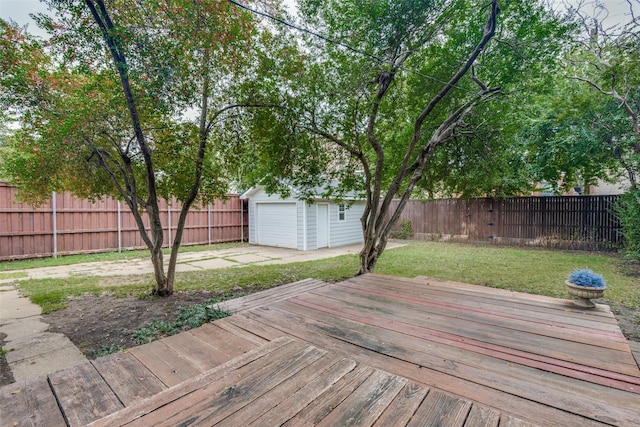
94	323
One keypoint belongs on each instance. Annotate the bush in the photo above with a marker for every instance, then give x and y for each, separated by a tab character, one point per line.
405	232
628	210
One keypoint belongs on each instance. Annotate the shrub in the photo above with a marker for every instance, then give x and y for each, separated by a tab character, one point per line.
406	230
628	210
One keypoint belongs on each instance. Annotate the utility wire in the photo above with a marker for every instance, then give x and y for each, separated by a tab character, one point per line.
338	43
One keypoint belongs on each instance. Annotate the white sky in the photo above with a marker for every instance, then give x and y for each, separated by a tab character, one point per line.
19	10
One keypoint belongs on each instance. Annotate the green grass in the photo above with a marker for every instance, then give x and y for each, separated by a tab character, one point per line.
524	270
102	256
13	275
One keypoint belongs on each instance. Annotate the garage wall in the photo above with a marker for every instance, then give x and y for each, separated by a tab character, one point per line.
349	231
340	233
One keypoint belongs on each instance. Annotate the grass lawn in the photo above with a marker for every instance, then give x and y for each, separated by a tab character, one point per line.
102	256
526	270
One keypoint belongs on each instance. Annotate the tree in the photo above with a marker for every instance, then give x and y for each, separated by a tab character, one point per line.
395	89
102	105
605	60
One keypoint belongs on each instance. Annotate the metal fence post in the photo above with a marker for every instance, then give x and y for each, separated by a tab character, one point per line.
119	228
169	221
209	223
55	224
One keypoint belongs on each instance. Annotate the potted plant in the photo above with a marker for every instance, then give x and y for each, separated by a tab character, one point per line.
583	285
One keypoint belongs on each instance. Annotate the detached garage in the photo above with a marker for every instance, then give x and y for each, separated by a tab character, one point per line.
292	223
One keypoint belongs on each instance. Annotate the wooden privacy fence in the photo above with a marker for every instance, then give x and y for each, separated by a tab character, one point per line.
569	222
66	225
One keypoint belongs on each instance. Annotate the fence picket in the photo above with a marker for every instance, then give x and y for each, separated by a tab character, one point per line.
569	222
81	226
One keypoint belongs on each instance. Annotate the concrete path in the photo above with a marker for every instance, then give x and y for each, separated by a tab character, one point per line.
239	256
32	351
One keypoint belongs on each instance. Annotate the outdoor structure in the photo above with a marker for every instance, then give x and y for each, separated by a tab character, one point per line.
372	350
293	223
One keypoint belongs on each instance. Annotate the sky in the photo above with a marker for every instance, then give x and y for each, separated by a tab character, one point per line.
19	10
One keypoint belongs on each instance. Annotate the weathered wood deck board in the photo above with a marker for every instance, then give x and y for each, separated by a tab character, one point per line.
129	379
373	350
392	357
290	383
421	340
29	403
612	338
83	395
512	305
518	299
489	328
271	296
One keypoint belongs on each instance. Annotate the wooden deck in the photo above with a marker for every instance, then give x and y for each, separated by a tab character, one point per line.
373	350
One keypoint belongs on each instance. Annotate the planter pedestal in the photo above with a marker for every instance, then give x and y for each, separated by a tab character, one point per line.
582	295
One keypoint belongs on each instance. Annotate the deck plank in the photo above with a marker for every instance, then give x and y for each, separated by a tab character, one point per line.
130	380
216	400
317	410
275	396
240	332
365	405
514	306
531	302
403	407
535	383
482	416
271	296
441	409
167	364
256	358
227	344
29	403
375	353
198	352
531	339
511	309
83	395
291	406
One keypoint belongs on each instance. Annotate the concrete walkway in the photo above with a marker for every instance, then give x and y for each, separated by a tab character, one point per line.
239	256
32	351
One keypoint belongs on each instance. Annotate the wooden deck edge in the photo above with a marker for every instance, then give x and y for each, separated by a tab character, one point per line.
168	395
606	311
635	350
271	295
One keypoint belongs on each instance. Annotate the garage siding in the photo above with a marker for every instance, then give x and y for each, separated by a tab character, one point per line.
349	231
303	232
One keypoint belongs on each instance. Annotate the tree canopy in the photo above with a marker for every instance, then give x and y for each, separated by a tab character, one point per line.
402	95
130	99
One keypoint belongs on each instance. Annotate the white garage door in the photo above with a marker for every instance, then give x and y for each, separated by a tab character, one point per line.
277	225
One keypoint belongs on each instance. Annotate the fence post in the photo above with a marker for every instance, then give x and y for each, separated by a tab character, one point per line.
55	224
119	227
241	219
209	223
169	221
